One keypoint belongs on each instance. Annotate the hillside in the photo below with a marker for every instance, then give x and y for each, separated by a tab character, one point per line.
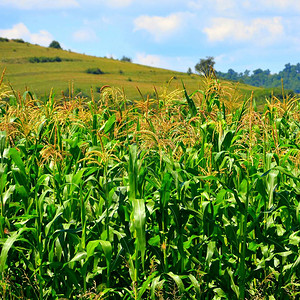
41	77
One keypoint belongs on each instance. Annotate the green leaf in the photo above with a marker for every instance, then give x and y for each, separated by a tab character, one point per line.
78	256
156	283
58	249
146	285
284	171
234	287
8	245
90	248
296	263
165	190
294	239
110	124
191	104
154	241
178	281
210	251
139	221
132	172
196	285
8	193
15	155
285	253
220	293
59	212
225	140
107	249
253	246
2	142
138	215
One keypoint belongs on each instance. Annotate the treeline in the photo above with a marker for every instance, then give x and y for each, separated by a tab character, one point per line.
290	76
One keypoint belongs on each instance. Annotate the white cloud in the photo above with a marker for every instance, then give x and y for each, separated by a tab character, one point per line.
149	60
215	5
178	63
220	58
43	38
119	3
98	22
195	4
224	5
109	3
16	32
20	31
225	59
159	27
260	30
230	6
85	35
282	4
39	4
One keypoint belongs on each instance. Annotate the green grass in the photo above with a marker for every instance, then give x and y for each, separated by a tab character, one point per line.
177	196
40	78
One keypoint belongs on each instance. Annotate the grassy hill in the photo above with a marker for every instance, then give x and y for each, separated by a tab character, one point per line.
41	77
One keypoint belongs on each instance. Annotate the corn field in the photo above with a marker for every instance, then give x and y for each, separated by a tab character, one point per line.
173	197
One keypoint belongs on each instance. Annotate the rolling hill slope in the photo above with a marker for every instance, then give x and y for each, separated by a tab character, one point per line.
70	68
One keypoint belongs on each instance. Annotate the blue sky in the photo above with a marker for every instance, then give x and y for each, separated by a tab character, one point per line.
172	34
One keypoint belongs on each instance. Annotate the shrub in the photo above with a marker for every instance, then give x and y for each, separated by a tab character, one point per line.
125	58
55	44
95	71
18	40
4	39
44	59
34	59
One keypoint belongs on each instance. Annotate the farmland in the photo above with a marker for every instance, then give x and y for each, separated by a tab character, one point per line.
178	195
163	191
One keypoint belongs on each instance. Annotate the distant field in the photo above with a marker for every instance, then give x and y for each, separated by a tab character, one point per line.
40	78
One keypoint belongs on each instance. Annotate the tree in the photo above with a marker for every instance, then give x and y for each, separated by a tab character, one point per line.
258	71
125	58
189	71
232	75
246	73
55	44
287	68
205	65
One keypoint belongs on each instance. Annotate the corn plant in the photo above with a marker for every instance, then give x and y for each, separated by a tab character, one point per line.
180	196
